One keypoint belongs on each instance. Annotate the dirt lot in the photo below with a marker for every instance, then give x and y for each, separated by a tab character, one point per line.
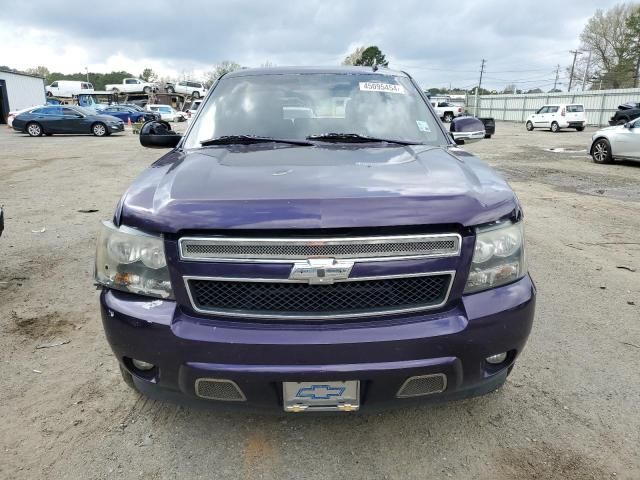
568	411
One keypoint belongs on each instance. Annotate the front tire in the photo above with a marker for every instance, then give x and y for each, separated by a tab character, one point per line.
196	95
99	129
146	90
601	151
529	126
487	136
128	378
49	94
448	117
170	90
580	129
34	129
555	128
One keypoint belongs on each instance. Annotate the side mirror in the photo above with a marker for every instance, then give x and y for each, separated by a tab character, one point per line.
466	130
158	134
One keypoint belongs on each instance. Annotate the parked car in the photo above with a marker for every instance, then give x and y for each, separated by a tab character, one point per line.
52	119
126	113
625	113
193	108
132	85
188	87
167	112
68	88
616	143
489	126
556	117
447	111
265	262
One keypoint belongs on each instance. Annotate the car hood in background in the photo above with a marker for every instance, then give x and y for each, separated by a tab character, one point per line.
262	186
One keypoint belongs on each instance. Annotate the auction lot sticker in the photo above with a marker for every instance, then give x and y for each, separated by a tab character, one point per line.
382	87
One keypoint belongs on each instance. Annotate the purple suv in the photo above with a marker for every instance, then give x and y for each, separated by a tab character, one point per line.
315	241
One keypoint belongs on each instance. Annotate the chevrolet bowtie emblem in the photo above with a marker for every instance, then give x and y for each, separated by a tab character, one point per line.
318	271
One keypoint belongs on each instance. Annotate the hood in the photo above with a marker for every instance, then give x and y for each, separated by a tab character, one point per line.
262	187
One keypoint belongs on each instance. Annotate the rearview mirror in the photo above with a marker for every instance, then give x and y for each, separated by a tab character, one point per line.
158	134
466	130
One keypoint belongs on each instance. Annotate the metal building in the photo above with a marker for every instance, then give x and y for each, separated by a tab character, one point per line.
18	91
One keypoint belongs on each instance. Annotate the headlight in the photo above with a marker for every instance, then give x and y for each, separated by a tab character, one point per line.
132	261
498	257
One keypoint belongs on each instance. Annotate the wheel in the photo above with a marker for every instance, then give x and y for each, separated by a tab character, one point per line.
555	128
128	378
487	136
529	126
170	90
115	90
49	94
34	129
146	89
601	151
99	129
448	117
580	129
196	95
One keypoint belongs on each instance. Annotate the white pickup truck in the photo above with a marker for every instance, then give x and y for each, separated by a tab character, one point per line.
447	111
132	85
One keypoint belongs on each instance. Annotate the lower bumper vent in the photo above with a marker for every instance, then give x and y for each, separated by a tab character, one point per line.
423	385
216	389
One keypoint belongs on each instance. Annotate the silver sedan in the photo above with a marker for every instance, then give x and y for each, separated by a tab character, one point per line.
616	143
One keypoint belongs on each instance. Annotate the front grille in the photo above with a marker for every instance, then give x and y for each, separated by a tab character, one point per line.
285	250
273	299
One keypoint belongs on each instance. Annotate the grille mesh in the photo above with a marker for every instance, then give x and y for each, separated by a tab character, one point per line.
219	390
304	300
424	385
418	246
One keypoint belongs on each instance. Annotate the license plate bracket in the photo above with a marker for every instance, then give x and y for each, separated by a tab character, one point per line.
339	396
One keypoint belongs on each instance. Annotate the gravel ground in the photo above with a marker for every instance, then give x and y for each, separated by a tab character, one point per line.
568	411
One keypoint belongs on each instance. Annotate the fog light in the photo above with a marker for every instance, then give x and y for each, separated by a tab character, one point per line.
498	358
140	365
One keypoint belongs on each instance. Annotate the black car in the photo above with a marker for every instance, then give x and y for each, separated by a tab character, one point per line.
66	119
626	112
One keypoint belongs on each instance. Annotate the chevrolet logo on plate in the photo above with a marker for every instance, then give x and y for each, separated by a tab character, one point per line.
318	271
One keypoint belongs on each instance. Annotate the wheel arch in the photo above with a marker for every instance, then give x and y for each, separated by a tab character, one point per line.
595	140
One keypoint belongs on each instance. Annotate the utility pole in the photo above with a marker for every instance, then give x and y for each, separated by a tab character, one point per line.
586	71
573	66
555	83
475	107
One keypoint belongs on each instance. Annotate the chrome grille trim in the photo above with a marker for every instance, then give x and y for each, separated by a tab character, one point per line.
382	312
287	250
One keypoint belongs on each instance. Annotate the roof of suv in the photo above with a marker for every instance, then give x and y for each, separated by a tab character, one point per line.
319	70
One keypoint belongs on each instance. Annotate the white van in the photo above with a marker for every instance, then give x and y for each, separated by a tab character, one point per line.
68	88
559	116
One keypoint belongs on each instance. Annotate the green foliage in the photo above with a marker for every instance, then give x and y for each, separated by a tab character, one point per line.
372	56
148	75
219	70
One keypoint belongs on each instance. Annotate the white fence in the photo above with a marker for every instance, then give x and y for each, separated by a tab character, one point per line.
600	105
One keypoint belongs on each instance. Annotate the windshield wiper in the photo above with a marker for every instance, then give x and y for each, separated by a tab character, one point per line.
357	138
249	139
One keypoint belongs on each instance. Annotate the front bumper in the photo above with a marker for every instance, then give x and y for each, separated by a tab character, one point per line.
116	128
381	353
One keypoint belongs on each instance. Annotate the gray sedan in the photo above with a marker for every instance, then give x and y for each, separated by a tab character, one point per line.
616	143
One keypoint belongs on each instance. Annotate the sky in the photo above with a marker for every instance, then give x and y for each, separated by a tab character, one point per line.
439	42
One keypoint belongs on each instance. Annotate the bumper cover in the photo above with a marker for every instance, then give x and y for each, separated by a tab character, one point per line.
381	353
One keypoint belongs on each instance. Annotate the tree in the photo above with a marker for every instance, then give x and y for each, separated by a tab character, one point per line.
633	37
353	57
535	90
219	70
148	75
372	56
40	71
608	35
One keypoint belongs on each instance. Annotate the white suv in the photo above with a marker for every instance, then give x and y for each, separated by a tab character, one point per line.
560	116
187	87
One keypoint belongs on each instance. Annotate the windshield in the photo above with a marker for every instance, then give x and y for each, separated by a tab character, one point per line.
296	106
